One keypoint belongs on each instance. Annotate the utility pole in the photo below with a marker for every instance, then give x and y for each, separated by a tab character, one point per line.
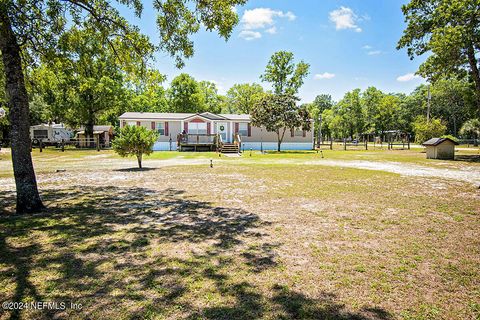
429	98
319	138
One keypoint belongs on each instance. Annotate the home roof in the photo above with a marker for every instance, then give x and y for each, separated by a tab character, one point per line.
182	116
154	115
236	116
437	141
212	116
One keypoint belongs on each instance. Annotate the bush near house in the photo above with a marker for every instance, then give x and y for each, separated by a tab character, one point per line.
135	141
425	130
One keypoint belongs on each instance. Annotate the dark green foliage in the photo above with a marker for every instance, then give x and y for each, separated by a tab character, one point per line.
277	113
184	95
447	30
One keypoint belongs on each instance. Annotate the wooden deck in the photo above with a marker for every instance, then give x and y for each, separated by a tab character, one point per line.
197	142
208	142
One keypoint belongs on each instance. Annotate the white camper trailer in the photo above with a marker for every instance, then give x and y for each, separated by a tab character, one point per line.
50	134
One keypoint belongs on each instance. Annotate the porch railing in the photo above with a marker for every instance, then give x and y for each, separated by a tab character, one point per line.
197	139
237	140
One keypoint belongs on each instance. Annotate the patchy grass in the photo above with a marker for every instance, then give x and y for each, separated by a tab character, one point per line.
252	237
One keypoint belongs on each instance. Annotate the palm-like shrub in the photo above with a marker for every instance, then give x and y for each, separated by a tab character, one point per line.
135	141
471	128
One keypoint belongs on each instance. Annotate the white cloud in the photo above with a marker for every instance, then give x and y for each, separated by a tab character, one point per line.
250	35
345	18
271	30
325	75
220	87
408	77
262	19
374	52
367	47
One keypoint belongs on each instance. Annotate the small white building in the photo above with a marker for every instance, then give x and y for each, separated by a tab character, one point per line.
440	148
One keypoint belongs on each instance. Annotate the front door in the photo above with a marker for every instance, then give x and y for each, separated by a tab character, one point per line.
222	130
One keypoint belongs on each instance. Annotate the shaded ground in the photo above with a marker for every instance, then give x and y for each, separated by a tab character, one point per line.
251	238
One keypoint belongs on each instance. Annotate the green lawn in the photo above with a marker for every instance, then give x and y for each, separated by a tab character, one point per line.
270	236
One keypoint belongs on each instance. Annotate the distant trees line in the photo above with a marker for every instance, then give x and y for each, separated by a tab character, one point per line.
374	112
106	93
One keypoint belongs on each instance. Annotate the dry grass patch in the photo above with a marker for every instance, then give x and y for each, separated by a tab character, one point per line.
244	240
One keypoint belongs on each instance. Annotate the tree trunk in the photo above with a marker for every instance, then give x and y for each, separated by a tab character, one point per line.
279	139
28	199
89	133
472	60
139	160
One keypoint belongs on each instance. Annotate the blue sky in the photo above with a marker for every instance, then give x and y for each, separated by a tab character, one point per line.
349	44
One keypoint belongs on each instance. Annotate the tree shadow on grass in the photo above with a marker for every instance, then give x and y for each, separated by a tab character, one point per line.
468	158
291	152
139	253
135	169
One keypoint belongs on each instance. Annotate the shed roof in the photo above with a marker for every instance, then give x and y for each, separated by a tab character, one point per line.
437	141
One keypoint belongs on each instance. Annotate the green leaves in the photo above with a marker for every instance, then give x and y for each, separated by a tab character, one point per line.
285	76
177	20
184	95
278	112
450	31
425	130
135	141
243	97
471	128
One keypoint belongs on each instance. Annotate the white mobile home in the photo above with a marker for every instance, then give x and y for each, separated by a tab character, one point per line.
174	128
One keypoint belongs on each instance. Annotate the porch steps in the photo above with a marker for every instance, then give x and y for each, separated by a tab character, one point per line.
230	148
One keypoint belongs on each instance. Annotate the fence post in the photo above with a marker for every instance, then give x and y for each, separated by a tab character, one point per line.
63	145
98	142
41	145
366	144
344	144
331	143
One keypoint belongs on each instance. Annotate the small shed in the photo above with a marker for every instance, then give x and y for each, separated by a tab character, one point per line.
104	133
440	148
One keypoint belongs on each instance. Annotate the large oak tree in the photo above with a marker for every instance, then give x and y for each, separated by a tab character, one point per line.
31	29
278	113
448	30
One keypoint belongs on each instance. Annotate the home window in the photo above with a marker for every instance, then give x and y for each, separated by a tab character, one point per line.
197	128
243	129
131	123
161	128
